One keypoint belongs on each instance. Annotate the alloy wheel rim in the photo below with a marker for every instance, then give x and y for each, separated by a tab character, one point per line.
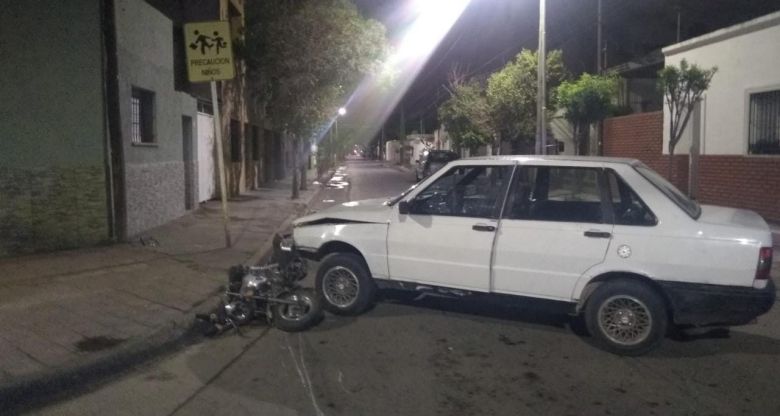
340	287
625	320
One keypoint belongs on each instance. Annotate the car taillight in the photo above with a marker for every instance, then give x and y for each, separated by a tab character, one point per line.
764	263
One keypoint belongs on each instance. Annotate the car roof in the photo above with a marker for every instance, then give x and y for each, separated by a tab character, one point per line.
523	159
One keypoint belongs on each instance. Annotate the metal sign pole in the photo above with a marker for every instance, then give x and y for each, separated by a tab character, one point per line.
220	161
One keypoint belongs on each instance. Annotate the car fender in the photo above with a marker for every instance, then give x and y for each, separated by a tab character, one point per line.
369	239
582	290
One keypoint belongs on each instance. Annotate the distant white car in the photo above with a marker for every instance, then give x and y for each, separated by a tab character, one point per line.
607	238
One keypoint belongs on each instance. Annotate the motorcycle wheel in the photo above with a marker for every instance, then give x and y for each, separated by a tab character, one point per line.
294	318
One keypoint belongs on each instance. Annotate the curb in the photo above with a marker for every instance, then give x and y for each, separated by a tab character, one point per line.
42	389
39	390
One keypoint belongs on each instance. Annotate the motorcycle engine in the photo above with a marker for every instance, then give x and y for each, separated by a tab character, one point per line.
253	283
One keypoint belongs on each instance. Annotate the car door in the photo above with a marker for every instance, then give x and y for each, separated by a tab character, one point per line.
447	235
556	225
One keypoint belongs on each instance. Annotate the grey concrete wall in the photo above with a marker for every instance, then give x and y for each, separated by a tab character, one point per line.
52	174
154	177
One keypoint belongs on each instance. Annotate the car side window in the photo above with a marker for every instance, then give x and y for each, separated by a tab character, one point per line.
629	209
465	191
547	193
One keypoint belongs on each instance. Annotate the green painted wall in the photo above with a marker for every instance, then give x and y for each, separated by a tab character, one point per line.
52	175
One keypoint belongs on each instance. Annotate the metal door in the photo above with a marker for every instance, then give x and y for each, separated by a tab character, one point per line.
206	174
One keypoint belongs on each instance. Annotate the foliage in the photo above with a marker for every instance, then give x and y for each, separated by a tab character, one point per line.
511	94
467	115
303	55
682	88
586	101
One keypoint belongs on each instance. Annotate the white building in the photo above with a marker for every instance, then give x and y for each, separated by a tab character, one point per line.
740	112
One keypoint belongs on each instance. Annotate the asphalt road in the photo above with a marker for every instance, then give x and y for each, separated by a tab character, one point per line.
445	357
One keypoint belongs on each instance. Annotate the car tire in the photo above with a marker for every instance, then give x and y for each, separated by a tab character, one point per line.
344	285
626	317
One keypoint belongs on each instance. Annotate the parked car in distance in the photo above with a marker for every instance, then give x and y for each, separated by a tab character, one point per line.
608	239
431	161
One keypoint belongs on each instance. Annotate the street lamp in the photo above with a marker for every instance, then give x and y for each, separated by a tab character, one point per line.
342	111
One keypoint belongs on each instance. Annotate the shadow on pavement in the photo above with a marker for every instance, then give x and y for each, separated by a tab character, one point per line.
474	307
540	314
717	341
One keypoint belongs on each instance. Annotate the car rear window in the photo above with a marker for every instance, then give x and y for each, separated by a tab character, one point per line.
688	205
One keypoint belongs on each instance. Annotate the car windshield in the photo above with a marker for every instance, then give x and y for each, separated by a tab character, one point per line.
395	199
688	205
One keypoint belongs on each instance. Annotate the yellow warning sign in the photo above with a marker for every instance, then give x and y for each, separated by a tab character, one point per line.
209	53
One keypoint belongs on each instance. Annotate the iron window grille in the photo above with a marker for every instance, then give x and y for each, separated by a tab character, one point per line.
142	116
764	123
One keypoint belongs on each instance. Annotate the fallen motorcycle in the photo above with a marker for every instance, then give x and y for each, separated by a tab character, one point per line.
271	291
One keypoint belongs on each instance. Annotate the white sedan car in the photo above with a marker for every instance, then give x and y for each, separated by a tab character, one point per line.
606	238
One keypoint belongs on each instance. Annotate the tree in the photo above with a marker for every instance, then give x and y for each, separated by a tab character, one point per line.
586	101
466	115
682	88
511	94
303	55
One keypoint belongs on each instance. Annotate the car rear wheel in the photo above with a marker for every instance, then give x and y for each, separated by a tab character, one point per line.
626	317
344	284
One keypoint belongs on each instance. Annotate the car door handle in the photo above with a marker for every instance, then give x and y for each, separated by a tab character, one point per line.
597	234
483	227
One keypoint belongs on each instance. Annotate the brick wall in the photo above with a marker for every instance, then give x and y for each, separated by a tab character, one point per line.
750	182
52	209
640	136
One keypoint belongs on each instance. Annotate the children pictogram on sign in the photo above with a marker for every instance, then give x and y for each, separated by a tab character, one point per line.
205	42
219	42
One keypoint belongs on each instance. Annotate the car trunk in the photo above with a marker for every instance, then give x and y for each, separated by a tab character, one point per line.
712	214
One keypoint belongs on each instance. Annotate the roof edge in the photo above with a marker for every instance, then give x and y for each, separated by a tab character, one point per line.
739	29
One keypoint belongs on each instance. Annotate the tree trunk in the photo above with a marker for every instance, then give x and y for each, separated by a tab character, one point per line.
304	165
584	140
295	192
576	139
671	162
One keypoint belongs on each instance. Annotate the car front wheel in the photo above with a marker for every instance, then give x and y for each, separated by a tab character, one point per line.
626	317
344	284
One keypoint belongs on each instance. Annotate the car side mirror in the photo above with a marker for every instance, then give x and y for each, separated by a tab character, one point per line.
403	207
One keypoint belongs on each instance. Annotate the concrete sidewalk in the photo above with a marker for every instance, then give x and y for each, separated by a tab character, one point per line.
72	316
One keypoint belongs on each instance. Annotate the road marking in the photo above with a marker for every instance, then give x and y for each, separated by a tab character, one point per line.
303	373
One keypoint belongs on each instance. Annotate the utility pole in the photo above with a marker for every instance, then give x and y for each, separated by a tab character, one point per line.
600	64
402	134
679	13
599	49
541	117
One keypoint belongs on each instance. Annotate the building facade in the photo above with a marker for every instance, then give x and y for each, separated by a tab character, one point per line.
103	136
729	153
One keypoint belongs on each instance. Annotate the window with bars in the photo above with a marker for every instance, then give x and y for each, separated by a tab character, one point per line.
764	123
142	116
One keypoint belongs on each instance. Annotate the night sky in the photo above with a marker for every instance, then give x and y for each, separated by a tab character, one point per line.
490	32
